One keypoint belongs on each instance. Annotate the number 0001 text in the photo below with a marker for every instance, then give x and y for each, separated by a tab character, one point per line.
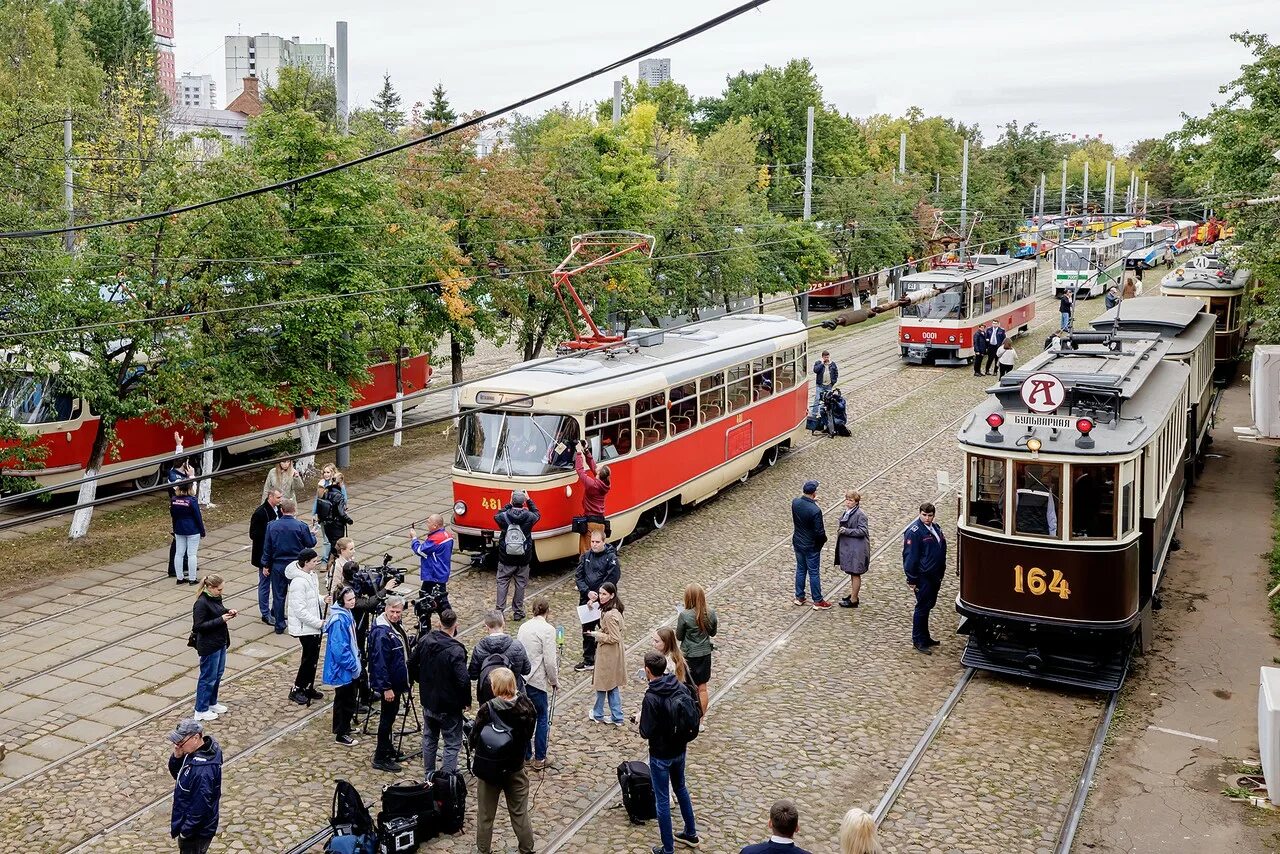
1033	581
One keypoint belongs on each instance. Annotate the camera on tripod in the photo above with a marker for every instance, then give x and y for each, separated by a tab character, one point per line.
367	581
427	603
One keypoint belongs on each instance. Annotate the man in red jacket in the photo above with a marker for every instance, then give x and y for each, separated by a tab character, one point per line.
595	486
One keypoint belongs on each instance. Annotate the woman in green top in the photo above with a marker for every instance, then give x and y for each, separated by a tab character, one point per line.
695	627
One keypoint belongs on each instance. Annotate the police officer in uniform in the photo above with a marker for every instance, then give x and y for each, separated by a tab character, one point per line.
924	558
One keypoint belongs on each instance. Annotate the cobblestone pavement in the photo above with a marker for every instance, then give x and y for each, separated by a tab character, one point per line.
747	583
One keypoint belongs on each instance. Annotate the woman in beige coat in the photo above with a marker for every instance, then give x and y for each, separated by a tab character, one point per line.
611	659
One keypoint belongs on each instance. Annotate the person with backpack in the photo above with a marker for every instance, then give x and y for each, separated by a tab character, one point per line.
669	720
515	549
500	737
388	678
331	510
342	663
497	649
597	565
611	661
440	662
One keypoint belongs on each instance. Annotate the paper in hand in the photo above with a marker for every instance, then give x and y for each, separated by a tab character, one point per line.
589	612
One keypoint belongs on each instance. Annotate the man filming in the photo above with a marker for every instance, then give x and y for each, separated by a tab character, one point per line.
515	549
388	678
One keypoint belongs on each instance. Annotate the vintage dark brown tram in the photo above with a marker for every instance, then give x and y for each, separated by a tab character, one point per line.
1075	474
1224	291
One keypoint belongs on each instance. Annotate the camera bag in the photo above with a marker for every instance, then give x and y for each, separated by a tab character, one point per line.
409	799
449	791
637	791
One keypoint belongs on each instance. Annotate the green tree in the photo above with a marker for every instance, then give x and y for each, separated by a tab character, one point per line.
298	89
118	32
868	220
675	106
439	112
386	106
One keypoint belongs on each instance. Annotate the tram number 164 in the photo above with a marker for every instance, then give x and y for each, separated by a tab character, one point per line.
1033	581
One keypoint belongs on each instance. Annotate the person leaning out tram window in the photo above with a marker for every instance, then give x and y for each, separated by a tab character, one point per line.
595	487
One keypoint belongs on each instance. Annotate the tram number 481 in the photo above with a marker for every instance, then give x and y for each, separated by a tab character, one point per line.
1033	581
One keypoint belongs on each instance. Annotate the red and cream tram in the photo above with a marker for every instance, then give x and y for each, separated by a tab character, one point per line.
677	415
940	329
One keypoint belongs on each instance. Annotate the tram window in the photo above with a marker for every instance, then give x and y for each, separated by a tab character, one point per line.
651	419
684	407
711	397
1219	307
1037	499
609	431
28	400
1093	501
986	492
761	378
739	390
786	374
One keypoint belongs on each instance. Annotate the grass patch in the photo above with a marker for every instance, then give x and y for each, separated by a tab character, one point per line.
119	534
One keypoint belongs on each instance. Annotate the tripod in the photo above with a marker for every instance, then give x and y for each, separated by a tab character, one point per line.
408	709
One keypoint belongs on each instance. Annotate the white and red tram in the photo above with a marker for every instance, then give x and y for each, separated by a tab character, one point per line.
940	328
677	415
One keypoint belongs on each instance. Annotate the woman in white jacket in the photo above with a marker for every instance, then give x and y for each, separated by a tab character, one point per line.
304	610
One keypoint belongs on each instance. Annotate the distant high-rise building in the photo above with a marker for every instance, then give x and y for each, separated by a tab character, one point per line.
198	91
263	56
161	12
655	71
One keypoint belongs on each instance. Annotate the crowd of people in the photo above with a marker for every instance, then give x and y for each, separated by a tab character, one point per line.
374	665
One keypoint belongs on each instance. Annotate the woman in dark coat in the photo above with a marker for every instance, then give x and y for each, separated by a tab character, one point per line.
209	618
853	548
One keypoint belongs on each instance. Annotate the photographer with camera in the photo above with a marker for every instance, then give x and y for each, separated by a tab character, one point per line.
596	566
371	587
595	488
435	555
388	678
515	549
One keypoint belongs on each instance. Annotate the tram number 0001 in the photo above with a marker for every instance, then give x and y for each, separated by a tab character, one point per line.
1037	582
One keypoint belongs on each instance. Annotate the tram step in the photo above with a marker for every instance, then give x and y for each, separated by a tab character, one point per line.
1011	660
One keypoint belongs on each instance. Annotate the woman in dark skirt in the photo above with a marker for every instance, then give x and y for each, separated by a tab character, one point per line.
695	627
853	546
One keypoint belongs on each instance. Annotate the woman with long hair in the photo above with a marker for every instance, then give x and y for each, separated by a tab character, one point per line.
664	641
611	658
695	627
284	477
858	834
209	618
330	508
342	663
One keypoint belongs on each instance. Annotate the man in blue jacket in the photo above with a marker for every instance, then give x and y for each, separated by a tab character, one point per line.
196	767
388	678
784	820
435	559
924	559
825	374
286	538
808	536
979	347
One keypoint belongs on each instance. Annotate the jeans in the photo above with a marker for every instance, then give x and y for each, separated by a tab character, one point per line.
666	775
279	586
1066	320
344	707
211	669
306	677
173	547
615	705
264	595
808	562
927	586
184	555
506	575
819	389
447	725
386	722
542	702
516	788
194	845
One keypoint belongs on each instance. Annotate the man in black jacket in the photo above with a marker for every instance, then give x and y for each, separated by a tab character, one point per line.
268	511
597	565
808	536
440	662
667	705
514	558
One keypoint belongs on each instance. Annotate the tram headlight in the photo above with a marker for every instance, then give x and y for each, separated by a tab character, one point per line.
459	508
1033	445
951	339
1085	426
994	421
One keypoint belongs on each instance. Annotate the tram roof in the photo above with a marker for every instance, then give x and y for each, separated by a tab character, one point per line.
1197	279
1183	322
683	355
976	271
1143	385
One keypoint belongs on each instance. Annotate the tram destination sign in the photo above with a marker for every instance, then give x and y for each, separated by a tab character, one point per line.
1057	422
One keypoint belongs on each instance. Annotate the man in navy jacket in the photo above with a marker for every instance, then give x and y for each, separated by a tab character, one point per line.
388	678
807	538
784	819
924	559
286	538
196	767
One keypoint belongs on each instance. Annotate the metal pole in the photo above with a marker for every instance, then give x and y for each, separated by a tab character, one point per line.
1043	178
343	454
902	154
1107	189
1145	185
1064	197
68	188
1084	203
964	200
617	101
937	183
808	197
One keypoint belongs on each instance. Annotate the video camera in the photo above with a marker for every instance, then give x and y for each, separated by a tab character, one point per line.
367	581
427	603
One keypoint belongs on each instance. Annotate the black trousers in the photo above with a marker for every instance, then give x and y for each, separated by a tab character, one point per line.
386	722
991	362
310	658
977	363
344	707
588	641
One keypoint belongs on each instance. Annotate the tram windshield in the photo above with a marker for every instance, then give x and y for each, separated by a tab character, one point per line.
1133	240
516	443
1037	499
948	305
1068	258
30	400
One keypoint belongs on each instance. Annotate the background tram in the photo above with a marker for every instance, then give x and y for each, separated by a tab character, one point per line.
1145	246
831	294
1037	241
940	329
1184	235
1067	515
677	415
1087	267
1223	292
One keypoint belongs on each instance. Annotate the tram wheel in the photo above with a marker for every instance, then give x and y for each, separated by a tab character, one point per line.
771	457
658	516
147	481
379	419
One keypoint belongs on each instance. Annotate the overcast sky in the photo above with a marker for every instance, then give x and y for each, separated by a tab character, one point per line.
1125	70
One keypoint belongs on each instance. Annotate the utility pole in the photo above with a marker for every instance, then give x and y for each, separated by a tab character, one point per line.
1084	204
964	200
617	101
1145	186
902	155
68	188
343	454
808	198
1108	185
1043	178
1062	231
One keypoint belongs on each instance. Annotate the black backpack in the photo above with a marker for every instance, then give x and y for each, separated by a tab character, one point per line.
449	792
350	817
484	691
496	755
686	715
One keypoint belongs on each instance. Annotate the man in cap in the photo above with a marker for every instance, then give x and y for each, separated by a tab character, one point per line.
515	548
924	561
196	766
807	538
